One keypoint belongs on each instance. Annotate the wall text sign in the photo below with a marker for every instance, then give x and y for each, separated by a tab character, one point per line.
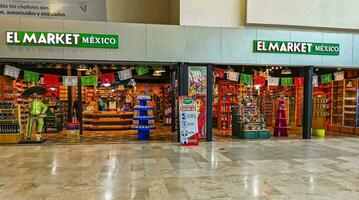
56	39
287	47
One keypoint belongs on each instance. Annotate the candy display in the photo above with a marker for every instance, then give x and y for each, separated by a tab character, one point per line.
143	119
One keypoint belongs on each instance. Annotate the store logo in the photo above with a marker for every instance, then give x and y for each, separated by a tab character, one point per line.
286	47
57	39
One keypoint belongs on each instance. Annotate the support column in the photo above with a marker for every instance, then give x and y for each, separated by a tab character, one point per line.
182	88
79	101
307	104
209	103
69	98
173	100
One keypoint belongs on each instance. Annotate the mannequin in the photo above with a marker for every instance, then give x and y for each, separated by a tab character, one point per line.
37	113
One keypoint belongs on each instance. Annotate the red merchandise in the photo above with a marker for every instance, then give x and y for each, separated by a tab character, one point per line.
228	97
50	79
281	128
107	78
259	80
218	72
298	81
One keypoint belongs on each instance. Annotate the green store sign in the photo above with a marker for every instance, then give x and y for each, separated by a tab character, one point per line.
56	39
286	47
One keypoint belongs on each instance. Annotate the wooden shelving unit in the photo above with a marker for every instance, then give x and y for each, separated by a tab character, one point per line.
350	108
228	98
337	105
11	130
107	120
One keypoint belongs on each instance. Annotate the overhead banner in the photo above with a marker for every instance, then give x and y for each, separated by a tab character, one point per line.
57	39
287	47
92	10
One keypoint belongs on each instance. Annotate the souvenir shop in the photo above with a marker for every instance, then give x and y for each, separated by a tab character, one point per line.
247	83
252	102
103	100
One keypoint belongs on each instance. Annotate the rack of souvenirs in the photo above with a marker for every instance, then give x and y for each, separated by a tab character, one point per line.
248	122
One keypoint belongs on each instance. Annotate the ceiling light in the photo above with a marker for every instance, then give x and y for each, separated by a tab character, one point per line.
107	84
286	71
132	82
156	73
82	68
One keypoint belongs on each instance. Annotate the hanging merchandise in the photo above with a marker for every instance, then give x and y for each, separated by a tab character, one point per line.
50	79
125	74
259	80
141	70
326	78
233	76
246	79
298	81
218	72
69	80
315	81
338	76
89	80
286	81
11	71
30	76
107	78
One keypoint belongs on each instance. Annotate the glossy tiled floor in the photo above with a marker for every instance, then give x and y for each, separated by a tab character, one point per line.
237	169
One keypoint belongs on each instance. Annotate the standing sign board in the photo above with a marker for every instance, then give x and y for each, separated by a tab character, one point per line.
188	121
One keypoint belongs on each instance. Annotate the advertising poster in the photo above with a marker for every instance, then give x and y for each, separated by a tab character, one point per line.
197	89
93	10
188	121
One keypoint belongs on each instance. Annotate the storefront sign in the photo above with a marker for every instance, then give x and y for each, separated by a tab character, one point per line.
187	120
55	39
285	47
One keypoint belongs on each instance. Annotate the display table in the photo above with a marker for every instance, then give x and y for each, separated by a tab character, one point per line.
107	120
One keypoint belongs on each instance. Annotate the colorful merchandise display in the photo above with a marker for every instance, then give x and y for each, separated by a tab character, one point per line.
281	128
248	122
143	118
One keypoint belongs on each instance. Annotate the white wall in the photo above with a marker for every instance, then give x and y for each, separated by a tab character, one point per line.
215	13
316	13
141	11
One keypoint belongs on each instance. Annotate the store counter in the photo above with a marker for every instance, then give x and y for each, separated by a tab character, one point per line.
107	120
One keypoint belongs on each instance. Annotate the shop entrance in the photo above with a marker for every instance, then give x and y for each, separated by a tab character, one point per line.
250	100
102	98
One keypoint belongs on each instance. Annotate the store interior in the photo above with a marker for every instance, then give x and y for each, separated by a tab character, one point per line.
108	107
127	100
270	98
